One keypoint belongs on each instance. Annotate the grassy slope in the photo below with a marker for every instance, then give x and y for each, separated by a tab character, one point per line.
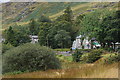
74	70
48	9
53	10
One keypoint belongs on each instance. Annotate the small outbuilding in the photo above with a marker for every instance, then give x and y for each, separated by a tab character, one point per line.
34	39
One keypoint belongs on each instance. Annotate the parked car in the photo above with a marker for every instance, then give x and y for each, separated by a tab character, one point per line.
96	45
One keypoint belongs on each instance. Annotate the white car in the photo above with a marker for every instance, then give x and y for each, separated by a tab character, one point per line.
96	45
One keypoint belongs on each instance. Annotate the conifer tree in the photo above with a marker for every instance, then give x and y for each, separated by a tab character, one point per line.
32	28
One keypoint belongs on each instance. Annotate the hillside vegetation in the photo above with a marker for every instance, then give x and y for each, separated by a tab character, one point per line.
21	13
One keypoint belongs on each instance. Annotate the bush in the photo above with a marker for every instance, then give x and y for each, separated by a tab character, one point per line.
65	49
85	50
109	49
77	55
29	57
92	56
112	58
61	58
6	47
84	57
100	51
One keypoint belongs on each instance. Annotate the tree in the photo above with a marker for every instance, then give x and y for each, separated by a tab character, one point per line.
62	25
79	19
6	47
43	33
63	39
67	15
33	28
103	26
112	28
30	57
21	38
77	55
9	36
49	30
76	27
42	37
65	22
44	18
50	36
16	37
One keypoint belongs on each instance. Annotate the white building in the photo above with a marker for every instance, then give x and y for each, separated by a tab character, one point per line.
34	38
79	44
87	43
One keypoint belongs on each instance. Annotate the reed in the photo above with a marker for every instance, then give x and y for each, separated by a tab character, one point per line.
74	70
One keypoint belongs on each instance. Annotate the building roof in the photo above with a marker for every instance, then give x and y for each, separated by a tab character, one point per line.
34	36
78	37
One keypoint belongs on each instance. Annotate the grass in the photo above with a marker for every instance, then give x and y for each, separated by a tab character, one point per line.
65	49
49	9
69	58
74	70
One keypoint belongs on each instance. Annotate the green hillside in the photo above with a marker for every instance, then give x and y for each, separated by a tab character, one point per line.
21	13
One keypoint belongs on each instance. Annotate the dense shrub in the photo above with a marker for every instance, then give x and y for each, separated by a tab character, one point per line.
92	56
77	55
84	57
100	51
61	57
109	49
29	57
6	47
85	50
112	58
65	49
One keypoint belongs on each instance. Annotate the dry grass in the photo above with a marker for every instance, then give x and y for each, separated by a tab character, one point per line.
74	70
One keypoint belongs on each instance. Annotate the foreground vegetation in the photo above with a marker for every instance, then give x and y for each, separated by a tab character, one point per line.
74	70
29	57
93	66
